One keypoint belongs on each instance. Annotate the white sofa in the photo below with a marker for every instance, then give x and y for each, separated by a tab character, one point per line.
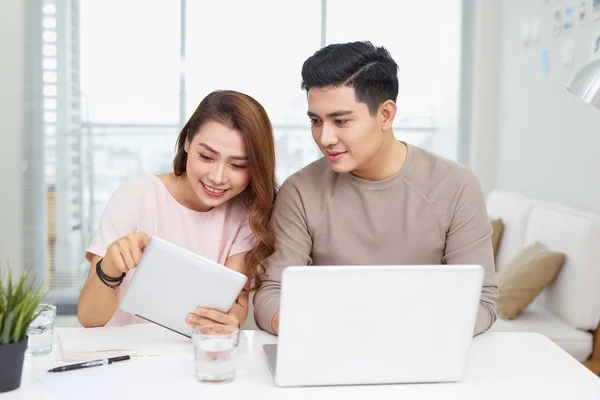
568	309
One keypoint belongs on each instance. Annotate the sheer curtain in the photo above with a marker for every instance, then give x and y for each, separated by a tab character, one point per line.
129	73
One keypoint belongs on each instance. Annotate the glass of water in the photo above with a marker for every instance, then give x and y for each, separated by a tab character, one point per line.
41	331
216	353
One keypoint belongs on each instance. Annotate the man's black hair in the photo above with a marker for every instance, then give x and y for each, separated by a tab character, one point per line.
370	70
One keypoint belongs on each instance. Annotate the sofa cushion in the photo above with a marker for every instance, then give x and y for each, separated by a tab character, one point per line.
524	277
577	343
574	294
514	210
497	230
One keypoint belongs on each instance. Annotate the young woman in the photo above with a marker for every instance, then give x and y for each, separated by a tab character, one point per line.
216	202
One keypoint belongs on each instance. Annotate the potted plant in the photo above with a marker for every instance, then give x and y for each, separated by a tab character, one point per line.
18	303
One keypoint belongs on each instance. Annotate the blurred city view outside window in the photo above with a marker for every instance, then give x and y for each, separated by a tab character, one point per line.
120	78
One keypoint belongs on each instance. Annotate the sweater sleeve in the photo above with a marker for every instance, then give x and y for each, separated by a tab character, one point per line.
293	247
468	241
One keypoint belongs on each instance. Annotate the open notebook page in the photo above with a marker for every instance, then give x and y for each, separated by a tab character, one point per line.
77	344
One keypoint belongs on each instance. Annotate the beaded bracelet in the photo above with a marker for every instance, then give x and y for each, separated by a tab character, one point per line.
109	281
111	286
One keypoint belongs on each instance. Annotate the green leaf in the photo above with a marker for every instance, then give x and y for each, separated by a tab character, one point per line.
18	328
9	290
21	312
29	314
7	329
19	302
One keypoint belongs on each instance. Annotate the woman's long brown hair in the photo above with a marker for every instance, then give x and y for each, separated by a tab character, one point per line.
245	115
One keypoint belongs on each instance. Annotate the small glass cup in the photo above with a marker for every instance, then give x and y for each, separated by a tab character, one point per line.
41	331
216	353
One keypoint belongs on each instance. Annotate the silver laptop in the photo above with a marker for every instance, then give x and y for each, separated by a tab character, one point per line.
170	282
347	325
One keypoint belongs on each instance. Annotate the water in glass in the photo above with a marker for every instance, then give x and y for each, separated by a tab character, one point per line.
216	360
41	332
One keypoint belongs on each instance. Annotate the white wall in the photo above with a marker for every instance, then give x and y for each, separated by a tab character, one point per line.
548	142
12	51
484	92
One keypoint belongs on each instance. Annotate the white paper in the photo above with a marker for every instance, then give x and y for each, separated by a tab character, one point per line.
160	376
136	340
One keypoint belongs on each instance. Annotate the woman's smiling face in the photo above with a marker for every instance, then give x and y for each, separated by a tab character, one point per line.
217	164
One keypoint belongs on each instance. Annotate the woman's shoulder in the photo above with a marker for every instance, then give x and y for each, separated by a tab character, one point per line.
140	184
135	190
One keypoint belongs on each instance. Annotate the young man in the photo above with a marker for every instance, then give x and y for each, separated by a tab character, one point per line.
372	199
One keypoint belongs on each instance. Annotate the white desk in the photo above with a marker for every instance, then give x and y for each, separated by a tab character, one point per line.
501	366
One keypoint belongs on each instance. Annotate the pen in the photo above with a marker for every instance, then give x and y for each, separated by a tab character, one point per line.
89	364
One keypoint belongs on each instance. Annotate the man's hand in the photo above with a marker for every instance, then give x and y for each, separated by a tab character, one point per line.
206	316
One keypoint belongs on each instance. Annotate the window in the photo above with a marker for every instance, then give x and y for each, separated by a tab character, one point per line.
130	61
261	56
121	78
424	37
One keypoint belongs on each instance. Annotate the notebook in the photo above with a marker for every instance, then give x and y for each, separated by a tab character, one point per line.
137	340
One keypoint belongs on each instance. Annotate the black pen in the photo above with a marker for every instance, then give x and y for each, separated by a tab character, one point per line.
89	364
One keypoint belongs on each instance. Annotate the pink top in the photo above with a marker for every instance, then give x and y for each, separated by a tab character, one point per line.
145	205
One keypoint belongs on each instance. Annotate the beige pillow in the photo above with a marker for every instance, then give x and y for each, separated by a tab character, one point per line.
497	230
524	277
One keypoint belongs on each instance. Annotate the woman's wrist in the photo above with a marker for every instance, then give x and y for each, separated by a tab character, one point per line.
110	281
108	269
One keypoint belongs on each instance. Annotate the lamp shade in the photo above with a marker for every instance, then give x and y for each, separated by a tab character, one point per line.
586	84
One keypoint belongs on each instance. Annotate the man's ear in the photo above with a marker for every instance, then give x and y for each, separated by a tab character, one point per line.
387	112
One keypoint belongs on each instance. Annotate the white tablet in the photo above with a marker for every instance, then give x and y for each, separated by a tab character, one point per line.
170	282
